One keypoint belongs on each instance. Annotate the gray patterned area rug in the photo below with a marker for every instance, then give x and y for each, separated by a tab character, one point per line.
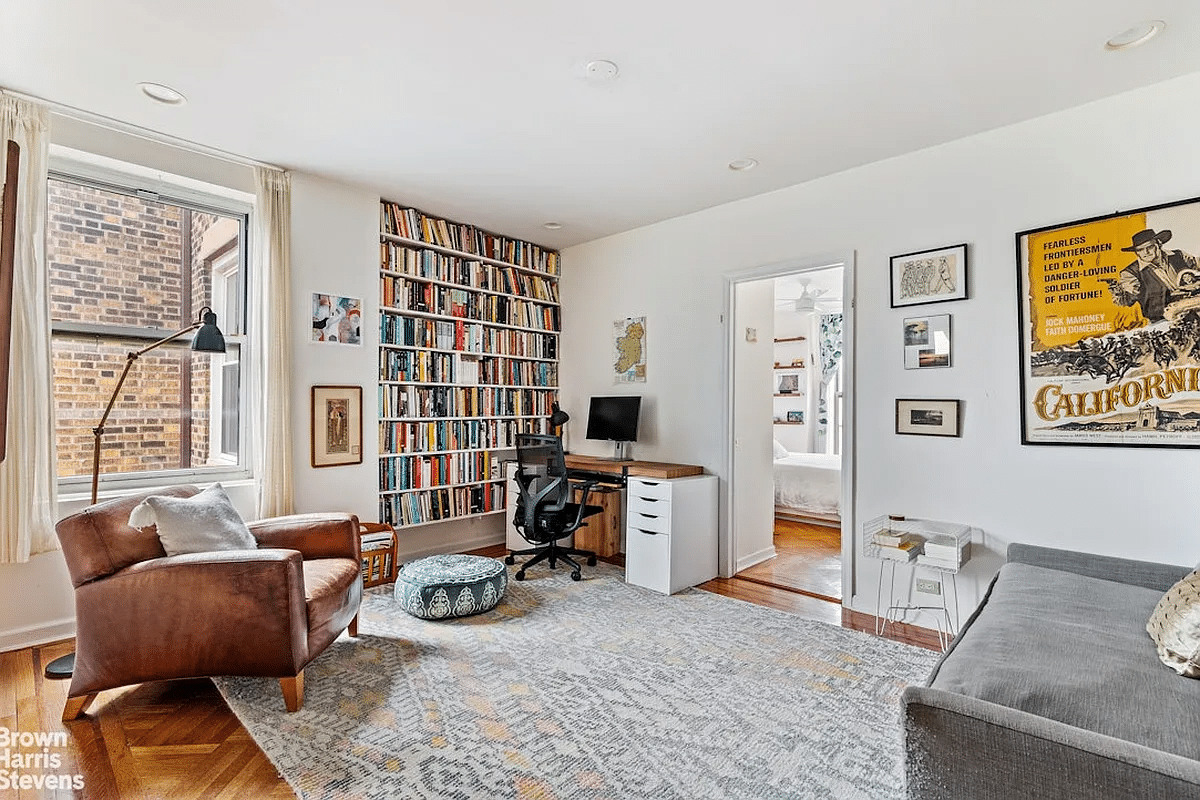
595	689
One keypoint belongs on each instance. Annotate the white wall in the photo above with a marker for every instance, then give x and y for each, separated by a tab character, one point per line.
1083	162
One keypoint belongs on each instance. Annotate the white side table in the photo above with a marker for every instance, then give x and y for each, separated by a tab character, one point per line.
950	536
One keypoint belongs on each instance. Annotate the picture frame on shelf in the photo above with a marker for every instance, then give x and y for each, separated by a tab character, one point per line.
927	342
795	417
929	276
336	426
929	417
789	383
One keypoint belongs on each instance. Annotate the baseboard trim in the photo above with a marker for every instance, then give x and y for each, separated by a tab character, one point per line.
745	562
34	635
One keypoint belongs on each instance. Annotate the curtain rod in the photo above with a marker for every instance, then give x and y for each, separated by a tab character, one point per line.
130	129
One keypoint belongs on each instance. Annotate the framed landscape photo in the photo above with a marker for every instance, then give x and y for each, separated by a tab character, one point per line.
1109	329
927	342
336	426
929	276
928	417
789	383
795	417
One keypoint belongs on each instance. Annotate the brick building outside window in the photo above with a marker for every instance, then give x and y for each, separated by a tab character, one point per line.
126	268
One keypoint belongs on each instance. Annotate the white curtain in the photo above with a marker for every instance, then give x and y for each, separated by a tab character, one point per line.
28	495
269	302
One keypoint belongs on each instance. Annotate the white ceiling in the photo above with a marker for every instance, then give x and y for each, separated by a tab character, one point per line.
479	110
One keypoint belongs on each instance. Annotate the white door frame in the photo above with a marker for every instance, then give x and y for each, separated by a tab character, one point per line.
846	260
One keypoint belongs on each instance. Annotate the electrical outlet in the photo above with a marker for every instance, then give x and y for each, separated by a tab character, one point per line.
928	586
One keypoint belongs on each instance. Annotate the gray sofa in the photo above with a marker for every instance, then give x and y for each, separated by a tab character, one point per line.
1053	689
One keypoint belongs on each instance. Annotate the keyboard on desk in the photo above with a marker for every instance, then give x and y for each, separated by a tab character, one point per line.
595	477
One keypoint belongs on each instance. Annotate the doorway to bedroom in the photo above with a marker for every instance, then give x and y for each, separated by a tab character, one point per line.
790	355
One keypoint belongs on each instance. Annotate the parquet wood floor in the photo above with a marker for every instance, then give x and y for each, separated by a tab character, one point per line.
178	739
808	559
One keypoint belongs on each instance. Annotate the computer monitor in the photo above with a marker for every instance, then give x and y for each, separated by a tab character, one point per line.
614	419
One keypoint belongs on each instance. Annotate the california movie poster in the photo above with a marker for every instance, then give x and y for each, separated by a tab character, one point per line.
1110	329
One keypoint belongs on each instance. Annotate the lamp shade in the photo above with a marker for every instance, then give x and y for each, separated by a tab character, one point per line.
558	417
209	338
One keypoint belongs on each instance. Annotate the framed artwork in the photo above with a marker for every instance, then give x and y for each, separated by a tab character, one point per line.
629	350
336	426
1109	329
928	417
336	320
929	276
927	342
795	416
789	383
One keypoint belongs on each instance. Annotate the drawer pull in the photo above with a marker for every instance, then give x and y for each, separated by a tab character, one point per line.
648	533
649	499
651	516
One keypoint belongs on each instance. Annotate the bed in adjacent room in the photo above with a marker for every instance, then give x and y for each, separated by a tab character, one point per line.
808	485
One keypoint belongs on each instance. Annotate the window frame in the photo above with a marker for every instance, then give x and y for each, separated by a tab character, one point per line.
134	181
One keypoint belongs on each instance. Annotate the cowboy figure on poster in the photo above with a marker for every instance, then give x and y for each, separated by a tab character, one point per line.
1110	329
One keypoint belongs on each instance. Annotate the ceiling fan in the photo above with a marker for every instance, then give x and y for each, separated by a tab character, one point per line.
807	301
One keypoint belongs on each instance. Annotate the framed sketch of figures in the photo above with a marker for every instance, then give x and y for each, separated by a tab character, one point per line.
1109	315
929	276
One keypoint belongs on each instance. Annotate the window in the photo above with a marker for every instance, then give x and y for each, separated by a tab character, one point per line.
128	267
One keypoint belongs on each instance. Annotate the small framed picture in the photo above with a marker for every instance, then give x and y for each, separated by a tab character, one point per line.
928	417
789	383
929	276
336	320
336	426
927	342
796	417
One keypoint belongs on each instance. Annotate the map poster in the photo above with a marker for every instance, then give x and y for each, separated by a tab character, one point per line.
629	350
1109	316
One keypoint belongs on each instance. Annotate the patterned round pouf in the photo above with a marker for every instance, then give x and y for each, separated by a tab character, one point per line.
440	587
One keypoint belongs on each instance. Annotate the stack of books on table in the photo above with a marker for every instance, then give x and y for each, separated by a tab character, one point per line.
946	552
898	545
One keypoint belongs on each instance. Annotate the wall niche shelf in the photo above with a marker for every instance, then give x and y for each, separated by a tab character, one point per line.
468	358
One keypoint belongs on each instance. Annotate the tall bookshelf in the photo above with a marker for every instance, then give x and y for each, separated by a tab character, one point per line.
468	358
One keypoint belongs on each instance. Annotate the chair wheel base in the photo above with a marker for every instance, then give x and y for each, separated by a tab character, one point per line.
591	562
509	560
520	575
575	576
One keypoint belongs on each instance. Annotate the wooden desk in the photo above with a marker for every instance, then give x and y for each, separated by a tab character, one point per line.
602	533
645	469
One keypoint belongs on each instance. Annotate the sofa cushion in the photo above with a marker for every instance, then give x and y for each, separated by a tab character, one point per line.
202	523
1175	626
1074	649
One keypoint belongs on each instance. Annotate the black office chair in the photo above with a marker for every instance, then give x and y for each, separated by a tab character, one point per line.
544	514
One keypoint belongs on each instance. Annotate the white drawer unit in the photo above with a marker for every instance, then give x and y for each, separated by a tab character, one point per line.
671	532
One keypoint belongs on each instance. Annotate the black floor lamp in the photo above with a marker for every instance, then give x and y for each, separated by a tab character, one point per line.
208	339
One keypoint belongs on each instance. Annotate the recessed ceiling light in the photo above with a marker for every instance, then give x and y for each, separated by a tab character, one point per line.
551	226
1132	37
742	164
600	70
162	94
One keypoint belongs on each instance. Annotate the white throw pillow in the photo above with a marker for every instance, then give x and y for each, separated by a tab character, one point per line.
1175	626
780	450
202	523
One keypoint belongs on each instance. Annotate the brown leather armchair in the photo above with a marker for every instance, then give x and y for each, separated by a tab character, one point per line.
144	616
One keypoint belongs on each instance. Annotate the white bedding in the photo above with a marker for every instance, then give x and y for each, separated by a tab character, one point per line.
809	482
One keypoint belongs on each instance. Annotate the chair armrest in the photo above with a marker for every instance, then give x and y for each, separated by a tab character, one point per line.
964	748
232	612
314	535
1147	574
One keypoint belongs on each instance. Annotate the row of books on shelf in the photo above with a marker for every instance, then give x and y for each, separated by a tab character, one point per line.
414	508
433	265
470	337
425	366
423	471
943	551
456	434
499	309
410	223
453	401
